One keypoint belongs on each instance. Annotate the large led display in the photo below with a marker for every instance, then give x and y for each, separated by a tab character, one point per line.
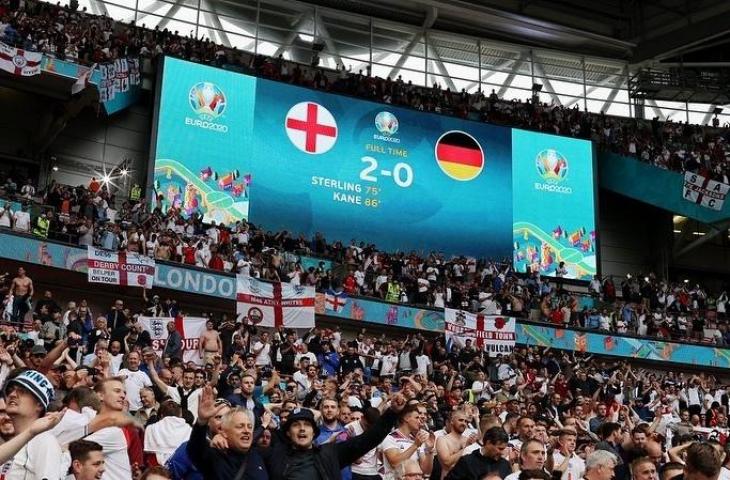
234	147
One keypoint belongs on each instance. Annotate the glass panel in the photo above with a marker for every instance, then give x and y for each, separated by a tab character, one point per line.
239	27
121	14
417	77
244	9
461	71
132	4
151	21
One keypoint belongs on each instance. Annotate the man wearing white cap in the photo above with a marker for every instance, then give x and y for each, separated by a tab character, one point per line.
28	396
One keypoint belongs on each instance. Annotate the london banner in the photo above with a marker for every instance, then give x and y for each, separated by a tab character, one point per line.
493	333
120	268
274	304
190	328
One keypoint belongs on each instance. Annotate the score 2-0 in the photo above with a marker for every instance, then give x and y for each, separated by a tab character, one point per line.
402	173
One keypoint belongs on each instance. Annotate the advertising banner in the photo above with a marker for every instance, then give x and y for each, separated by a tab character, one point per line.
274	304
191	329
493	333
20	62
704	191
120	268
554	219
360	309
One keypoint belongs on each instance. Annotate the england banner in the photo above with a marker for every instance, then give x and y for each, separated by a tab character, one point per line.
335	301
20	62
120	268
117	77
493	333
191	329
703	191
274	304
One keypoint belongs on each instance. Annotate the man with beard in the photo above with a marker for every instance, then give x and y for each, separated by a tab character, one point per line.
330	427
450	447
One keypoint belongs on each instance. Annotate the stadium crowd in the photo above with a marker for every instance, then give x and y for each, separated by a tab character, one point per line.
67	33
260	403
642	305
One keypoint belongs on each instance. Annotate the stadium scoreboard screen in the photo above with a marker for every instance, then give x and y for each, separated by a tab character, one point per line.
234	146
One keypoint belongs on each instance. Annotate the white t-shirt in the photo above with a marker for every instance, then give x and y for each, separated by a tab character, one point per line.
368	463
422	362
22	221
134	382
114	444
576	466
264	357
39	459
388	365
397	440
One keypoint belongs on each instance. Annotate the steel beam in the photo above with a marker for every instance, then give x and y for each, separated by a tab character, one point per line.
511	77
151	10
213	17
298	23
170	15
427	23
442	68
333	50
548	86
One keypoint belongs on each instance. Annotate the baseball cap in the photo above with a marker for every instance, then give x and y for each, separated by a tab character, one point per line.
38	350
36	383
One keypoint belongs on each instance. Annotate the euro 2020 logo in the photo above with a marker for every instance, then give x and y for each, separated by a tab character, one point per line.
207	100
551	165
386	123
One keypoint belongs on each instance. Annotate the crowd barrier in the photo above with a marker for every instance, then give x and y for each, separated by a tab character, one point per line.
357	309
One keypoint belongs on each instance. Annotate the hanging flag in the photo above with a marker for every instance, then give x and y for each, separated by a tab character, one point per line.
493	333
335	301
704	191
20	62
191	329
120	268
459	156
274	304
311	128
83	81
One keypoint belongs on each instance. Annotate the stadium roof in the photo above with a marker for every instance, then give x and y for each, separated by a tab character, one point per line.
634	30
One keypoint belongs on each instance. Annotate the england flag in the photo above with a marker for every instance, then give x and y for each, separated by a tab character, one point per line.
311	128
274	304
703	191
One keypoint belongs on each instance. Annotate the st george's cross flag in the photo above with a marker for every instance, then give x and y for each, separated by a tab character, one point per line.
120	268
191	330
494	334
704	191
20	62
311	128
274	304
335	301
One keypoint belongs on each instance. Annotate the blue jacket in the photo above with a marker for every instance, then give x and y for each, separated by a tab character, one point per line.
181	466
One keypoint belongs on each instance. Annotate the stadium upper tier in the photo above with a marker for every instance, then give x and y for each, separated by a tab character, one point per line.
97	39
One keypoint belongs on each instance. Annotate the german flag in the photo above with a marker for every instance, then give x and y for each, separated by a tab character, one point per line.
459	156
